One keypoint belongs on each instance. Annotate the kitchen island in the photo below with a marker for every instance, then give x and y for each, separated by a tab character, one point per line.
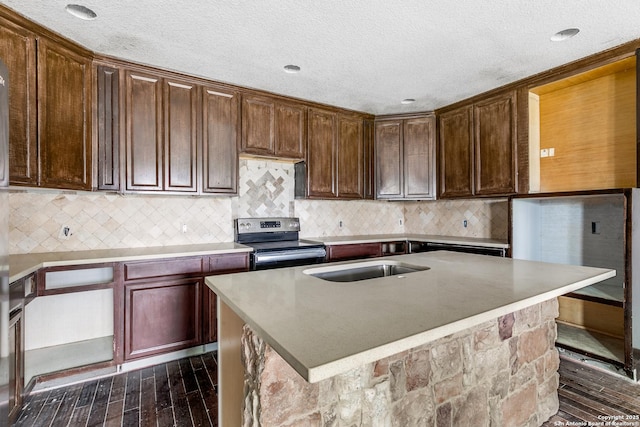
468	340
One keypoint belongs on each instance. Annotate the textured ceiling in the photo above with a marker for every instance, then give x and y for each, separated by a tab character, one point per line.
365	55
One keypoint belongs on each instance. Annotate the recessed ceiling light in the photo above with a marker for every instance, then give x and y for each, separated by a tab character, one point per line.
408	101
81	12
563	35
291	69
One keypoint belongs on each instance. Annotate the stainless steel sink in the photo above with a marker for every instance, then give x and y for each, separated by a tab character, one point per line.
363	271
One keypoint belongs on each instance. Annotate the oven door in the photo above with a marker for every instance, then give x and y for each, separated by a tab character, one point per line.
266	259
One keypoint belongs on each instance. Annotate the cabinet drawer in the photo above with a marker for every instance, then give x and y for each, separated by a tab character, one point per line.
229	263
364	250
163	267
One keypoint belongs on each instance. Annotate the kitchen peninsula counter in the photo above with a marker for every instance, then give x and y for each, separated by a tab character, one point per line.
324	329
24	264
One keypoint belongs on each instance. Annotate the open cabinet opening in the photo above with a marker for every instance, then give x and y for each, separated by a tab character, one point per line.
596	229
582	131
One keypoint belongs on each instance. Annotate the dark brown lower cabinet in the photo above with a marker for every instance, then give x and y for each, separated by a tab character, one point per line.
210	317
218	264
162	316
353	251
365	250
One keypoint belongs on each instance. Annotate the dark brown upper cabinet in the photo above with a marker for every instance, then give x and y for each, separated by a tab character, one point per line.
107	125
161	120
389	164
18	51
369	156
273	128
258	126
144	139
50	110
335	155
495	145
64	117
478	148
291	130
405	158
456	153
321	154
419	137
220	140
180	135
351	157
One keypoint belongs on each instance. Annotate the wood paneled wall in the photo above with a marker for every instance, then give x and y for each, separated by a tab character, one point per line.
606	319
591	124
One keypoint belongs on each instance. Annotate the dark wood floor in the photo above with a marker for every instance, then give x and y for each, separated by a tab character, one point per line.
180	393
183	393
589	395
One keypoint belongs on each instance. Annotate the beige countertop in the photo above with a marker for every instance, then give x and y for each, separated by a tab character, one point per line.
23	265
323	328
471	241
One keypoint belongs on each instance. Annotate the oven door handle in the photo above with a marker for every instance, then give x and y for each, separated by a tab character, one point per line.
273	256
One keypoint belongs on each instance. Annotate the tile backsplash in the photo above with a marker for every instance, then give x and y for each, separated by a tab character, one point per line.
324	217
266	188
486	218
109	221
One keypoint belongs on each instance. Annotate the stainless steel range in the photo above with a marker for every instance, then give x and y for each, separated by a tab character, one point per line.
276	243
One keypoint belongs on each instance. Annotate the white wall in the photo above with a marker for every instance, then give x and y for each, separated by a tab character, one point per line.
526	229
560	230
60	319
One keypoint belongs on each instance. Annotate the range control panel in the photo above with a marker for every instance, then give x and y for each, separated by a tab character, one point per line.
266	225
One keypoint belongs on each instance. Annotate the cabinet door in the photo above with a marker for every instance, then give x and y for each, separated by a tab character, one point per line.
220	140
258	126
290	130
143	120
389	159
180	136
161	317
64	119
18	51
456	153
350	152
419	158
209	315
108	128
495	145
321	154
